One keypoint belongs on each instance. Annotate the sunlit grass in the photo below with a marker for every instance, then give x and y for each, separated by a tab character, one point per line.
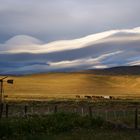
68	85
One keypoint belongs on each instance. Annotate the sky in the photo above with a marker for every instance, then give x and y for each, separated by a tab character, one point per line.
24	54
68	35
51	20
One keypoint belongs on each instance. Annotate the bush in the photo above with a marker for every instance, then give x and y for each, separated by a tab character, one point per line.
50	124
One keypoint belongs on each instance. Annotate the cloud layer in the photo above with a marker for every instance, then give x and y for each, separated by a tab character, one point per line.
51	20
26	55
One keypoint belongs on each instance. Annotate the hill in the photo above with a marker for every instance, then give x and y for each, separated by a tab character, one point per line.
122	70
68	85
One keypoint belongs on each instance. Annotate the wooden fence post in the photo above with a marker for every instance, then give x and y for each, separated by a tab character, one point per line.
106	115
75	110
1	110
124	113
90	111
136	118
115	115
32	111
48	109
6	110
55	109
25	111
82	111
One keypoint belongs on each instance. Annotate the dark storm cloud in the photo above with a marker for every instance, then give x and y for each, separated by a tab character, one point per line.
51	20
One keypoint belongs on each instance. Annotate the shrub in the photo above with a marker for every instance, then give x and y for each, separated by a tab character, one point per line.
49	124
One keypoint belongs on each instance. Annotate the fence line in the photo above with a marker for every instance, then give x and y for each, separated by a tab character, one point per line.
126	116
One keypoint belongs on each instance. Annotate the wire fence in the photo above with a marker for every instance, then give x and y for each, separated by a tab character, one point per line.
127	117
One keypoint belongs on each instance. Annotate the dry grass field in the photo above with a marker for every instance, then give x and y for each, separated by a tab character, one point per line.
68	85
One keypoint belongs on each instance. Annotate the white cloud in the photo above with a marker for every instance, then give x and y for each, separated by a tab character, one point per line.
133	63
25	54
27	44
84	62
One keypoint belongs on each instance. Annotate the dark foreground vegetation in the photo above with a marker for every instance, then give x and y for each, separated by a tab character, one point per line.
64	126
83	134
71	120
50	124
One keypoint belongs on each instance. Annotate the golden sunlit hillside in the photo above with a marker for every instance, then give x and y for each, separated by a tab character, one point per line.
68	85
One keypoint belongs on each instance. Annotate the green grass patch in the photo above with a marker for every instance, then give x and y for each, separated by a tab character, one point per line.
50	124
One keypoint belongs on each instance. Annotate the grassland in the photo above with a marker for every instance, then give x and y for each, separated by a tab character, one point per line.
68	85
71	126
63	126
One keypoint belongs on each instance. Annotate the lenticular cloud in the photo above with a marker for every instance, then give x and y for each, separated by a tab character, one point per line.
26	55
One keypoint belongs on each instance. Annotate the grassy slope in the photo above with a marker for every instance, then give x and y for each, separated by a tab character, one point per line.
70	84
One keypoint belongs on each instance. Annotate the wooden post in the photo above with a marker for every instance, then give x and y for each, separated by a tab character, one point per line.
82	111
75	109
136	118
124	113
55	109
90	111
32	111
115	115
1	110
1	92
6	110
25	111
106	115
48	110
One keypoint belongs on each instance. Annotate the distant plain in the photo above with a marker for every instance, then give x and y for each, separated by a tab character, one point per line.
68	85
